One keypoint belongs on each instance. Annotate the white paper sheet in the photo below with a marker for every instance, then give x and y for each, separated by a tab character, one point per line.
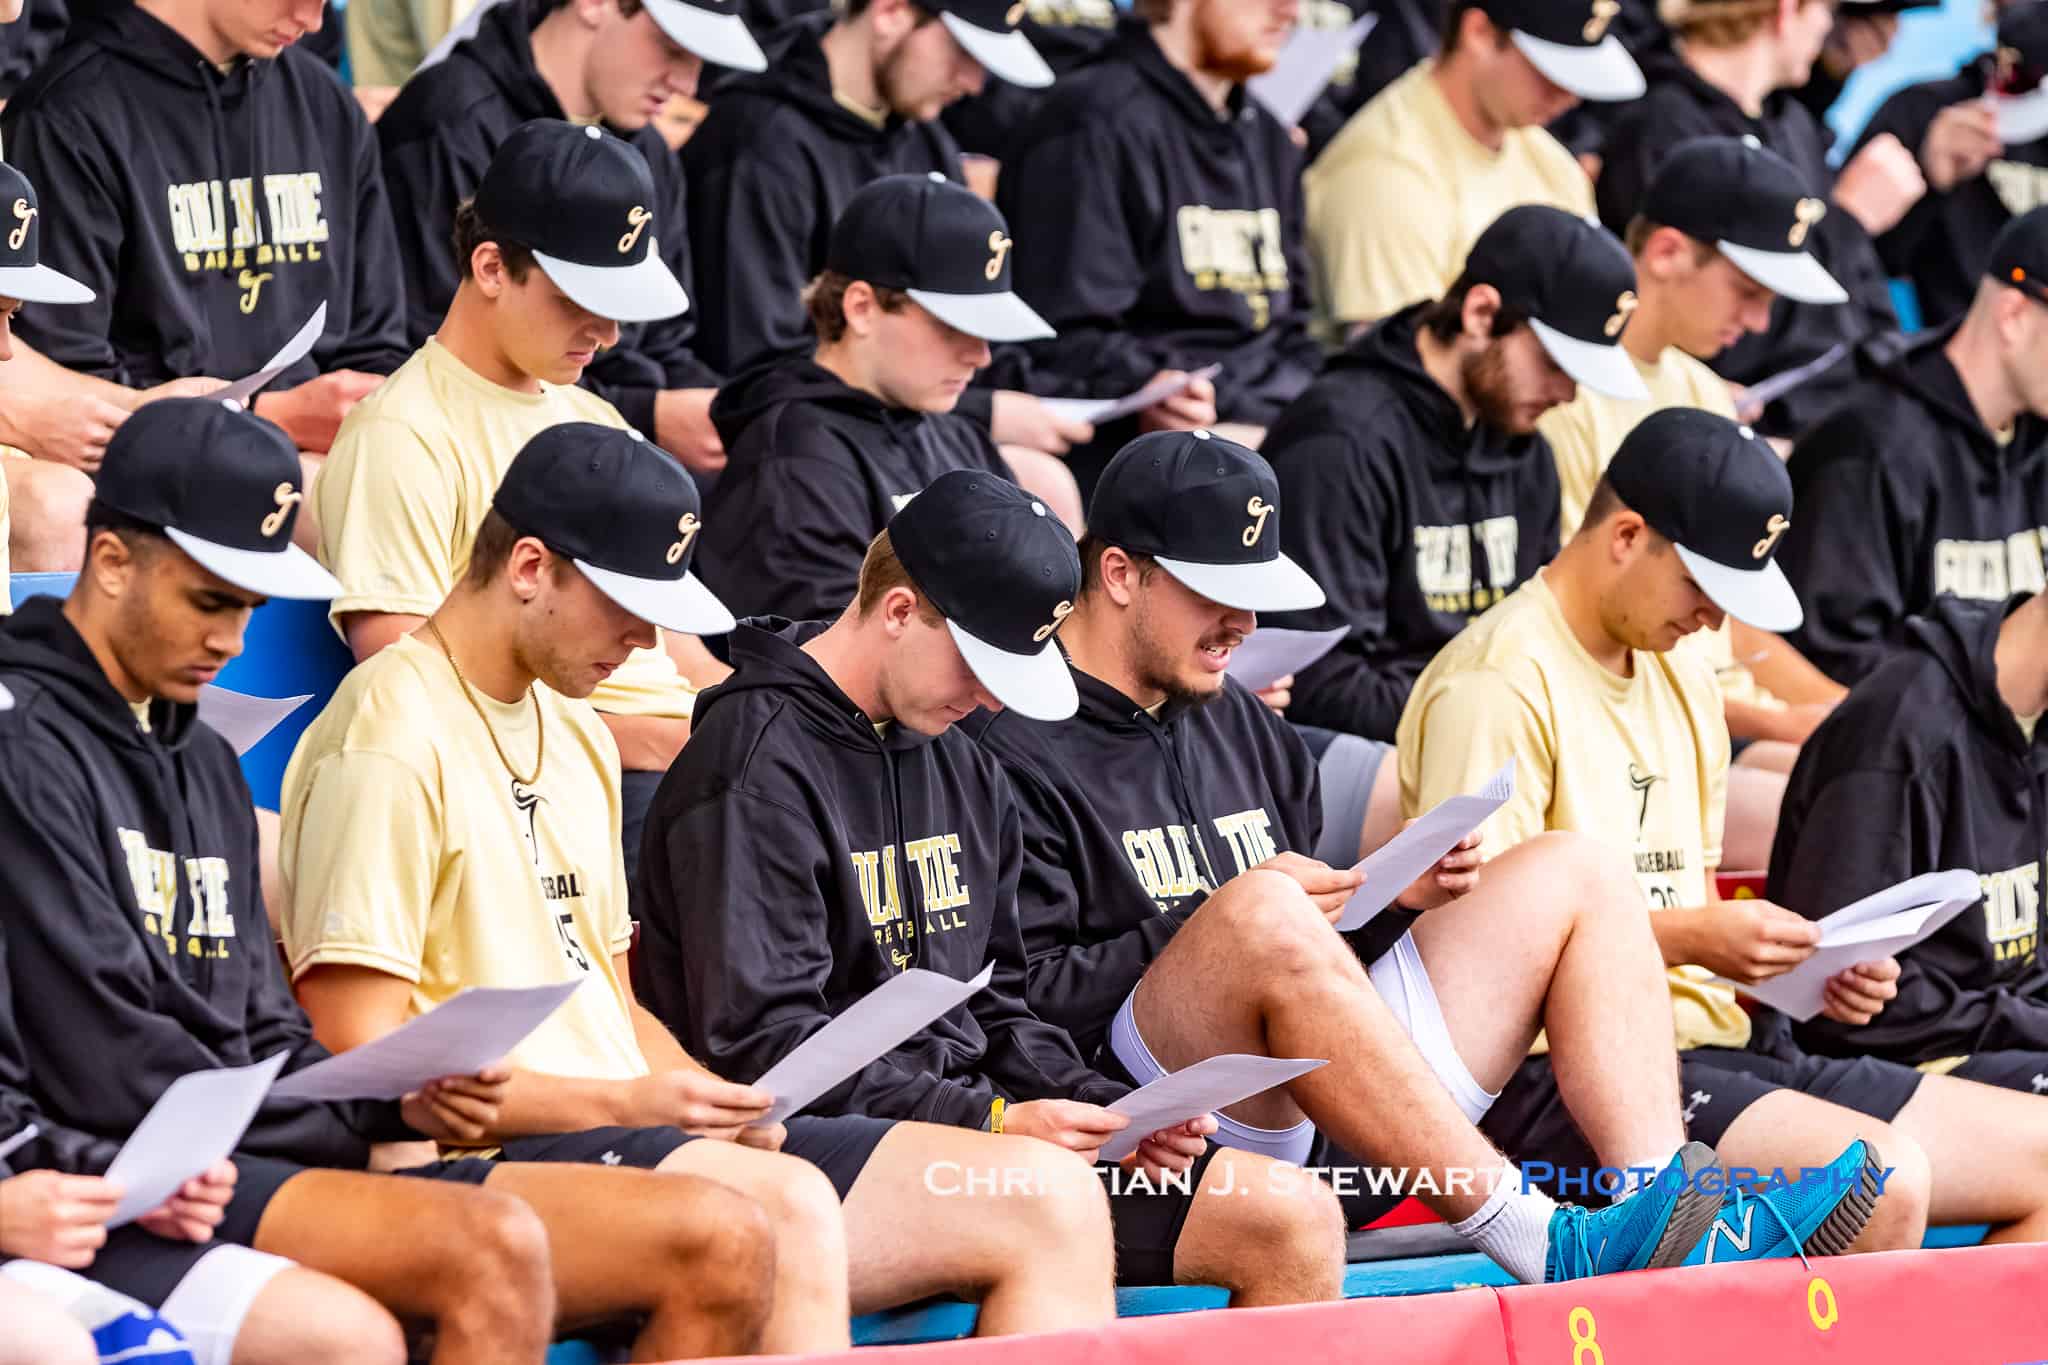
1096	411
1765	392
459	1038
1212	1084
1304	68
1878	926
883	1018
243	720
464	28
1394	865
18	1141
194	1123
242	390
1270	653
2021	118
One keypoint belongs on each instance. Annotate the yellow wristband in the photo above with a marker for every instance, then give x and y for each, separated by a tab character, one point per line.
995	1115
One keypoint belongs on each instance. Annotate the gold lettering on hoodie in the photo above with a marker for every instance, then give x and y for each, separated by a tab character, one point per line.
2012	912
1238	250
1444	568
1992	570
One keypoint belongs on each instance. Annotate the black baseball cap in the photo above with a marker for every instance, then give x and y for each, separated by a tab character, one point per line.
22	275
1568	41
1752	205
223	484
583	202
624	512
988	30
1004	573
941	243
1208	512
2019	253
1721	496
1574	282
712	29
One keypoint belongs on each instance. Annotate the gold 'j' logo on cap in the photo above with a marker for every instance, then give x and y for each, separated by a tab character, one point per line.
999	248
1808	212
1604	12
1623	306
637	219
1016	14
1774	528
1059	614
24	213
1259	509
286	497
689	527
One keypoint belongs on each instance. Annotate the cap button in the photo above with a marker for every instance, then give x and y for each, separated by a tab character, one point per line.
1037	509
634	432
592	133
1747	434
935	177
1199	434
1750	140
231	405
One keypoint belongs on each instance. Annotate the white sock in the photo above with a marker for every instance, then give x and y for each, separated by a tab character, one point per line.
1512	1226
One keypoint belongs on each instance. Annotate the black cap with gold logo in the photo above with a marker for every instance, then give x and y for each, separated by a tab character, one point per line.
22	274
1575	283
1208	511
1568	42
941	243
1721	496
223	484
1752	205
623	511
987	29
583	202
1004	572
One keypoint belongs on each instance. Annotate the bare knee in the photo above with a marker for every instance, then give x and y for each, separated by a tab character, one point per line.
721	1257
498	1262
39	1333
799	1199
48	513
1267	917
1907	1192
1286	1232
1069	1208
319	1321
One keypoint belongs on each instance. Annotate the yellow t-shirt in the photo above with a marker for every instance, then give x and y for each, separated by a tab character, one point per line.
1585	433
408	482
1400	195
1644	756
409	849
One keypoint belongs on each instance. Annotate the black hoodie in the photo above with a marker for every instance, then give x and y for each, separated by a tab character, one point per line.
209	213
1943	244
777	873
815	471
769	169
1412	522
1130	823
137	947
1154	233
1681	105
438	137
1065	33
1921	769
1902	496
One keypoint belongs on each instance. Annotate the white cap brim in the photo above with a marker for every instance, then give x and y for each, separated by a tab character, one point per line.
40	284
721	39
681	604
1007	55
1795	275
1603	369
646	292
1604	71
991	317
1762	598
289	572
1276	585
1038	686
2021	118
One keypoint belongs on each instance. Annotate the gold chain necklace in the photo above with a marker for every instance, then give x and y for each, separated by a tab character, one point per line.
540	752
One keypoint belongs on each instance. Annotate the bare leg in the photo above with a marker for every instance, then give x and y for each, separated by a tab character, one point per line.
1047	478
1787	1130
1383	807
47	514
1267	1232
305	1318
1754	795
39	1332
1557	935
810	1311
915	1225
1258	969
1950	1119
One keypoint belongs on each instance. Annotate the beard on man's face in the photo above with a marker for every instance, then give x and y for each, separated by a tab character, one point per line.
1223	53
1490	392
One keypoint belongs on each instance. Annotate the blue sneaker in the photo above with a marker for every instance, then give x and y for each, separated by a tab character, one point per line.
1651	1229
1821	1214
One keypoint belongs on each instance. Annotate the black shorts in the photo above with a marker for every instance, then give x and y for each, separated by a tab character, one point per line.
2019	1069
147	1267
1147	1223
1529	1121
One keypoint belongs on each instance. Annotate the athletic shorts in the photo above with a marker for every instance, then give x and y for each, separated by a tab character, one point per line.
203	1290
1347	766
1147	1223
1530	1122
840	1147
2017	1069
